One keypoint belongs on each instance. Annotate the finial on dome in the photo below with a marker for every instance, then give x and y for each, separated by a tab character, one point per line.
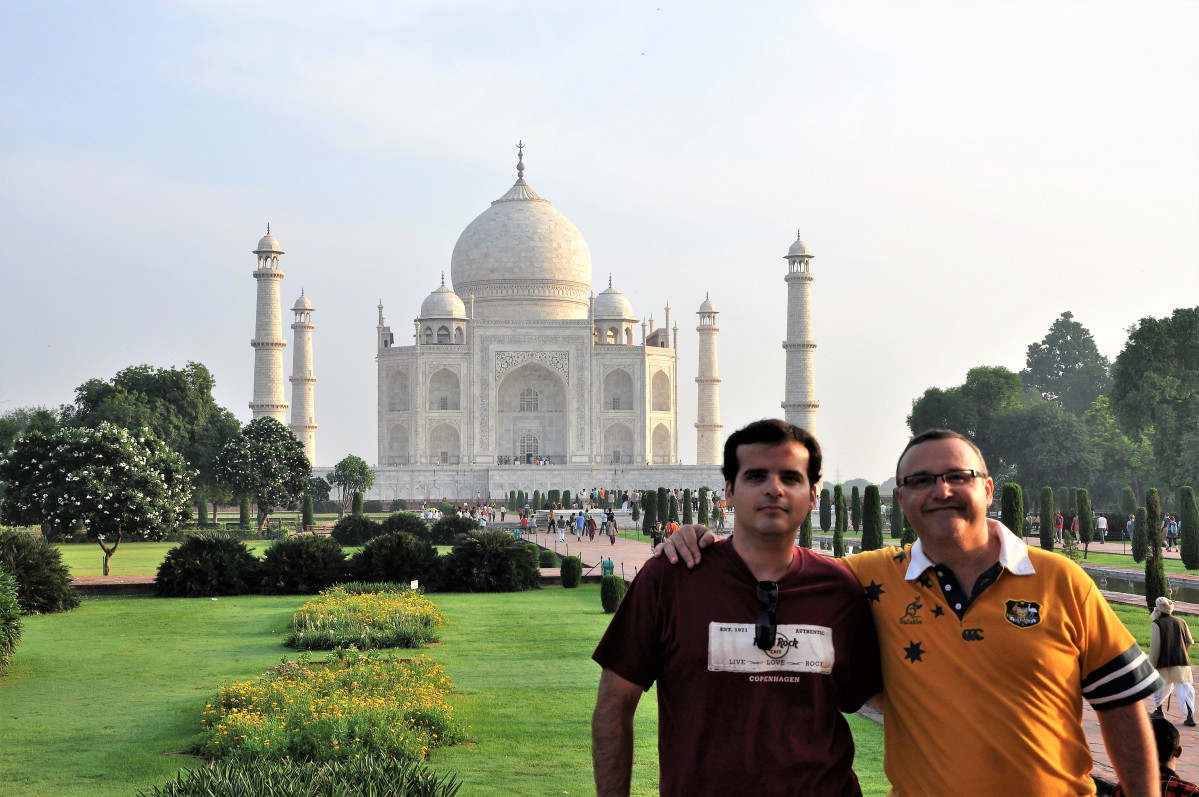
609	279
268	228
520	160
443	279
707	297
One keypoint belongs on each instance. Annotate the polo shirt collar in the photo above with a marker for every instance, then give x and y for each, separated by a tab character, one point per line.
1013	553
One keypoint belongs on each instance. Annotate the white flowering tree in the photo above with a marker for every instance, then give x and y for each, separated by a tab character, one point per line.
267	463
112	482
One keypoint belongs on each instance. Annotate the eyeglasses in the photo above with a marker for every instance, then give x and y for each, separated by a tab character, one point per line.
954	478
767	625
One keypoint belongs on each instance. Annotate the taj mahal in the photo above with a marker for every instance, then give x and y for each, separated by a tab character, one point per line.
517	375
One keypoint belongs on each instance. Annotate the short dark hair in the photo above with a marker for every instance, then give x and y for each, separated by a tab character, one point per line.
771	431
1166	737
939	434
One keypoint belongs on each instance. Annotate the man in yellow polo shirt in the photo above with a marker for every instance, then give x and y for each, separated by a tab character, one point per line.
989	646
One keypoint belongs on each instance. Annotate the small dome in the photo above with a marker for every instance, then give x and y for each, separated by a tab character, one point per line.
302	303
799	248
268	244
613	304
708	306
443	303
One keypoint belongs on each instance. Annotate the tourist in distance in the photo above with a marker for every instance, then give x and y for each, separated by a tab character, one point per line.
744	706
1169	641
989	646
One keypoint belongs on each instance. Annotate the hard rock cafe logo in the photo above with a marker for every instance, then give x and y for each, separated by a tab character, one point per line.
910	616
1023	614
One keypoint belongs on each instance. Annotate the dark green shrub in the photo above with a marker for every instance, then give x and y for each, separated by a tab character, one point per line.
1140	536
355	529
572	571
872	518
566	498
909	533
401	558
243	514
1155	566
43	581
327	507
650	515
398	505
202	513
611	591
662	505
1011	512
372	507
207	565
10	618
840	513
406	522
1188	518
635	512
896	519
356	503
1086	522
554	496
447	530
805	532
1128	503
306	516
855	510
673	511
688	514
490	561
547	558
512	500
703	508
1047	514
257	777
302	565
538	501
826	510
532	574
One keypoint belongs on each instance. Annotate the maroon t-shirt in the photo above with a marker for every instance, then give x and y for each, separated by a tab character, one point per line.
733	719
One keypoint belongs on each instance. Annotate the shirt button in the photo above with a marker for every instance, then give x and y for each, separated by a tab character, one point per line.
948	587
957	606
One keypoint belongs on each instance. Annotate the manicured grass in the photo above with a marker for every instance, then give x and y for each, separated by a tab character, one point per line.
131	559
95	698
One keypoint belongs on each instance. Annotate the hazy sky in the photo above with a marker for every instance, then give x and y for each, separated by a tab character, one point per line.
963	172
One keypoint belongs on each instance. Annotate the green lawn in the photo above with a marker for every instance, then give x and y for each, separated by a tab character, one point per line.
95	699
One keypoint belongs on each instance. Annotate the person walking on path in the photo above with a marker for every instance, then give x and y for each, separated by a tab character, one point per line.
1101	527
1059	523
1168	643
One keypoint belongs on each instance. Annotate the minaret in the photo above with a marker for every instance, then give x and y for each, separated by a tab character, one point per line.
268	343
303	405
707	424
799	403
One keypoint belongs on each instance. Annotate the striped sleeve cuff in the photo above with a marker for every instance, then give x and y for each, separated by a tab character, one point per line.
1126	679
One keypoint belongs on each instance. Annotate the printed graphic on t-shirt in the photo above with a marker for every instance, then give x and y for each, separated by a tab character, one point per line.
797	648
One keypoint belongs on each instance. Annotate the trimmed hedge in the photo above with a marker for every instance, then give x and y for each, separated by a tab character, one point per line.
355	529
491	561
572	571
547	558
302	565
208	565
449	529
10	618
400	558
43	581
611	591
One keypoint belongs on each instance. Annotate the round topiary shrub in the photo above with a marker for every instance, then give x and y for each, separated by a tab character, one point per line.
10	618
302	565
399	558
398	505
407	523
611	591
490	561
43	581
548	558
207	565
447	530
572	571
355	529
372	506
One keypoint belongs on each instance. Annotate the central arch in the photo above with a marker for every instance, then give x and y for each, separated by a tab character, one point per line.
531	406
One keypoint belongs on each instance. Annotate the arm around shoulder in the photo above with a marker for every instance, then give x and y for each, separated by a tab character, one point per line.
612	734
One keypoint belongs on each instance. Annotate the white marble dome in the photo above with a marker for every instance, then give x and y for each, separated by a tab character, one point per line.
613	304
708	306
268	243
302	303
443	303
799	248
521	258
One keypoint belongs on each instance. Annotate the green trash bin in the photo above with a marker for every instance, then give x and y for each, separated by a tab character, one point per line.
516	532
607	568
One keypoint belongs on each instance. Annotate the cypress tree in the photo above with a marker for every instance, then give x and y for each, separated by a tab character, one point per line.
1156	585
826	510
1128	502
896	519
1086	523
688	514
855	510
566	499
537	500
356	506
1011	512
872	519
649	512
1188	517
1140	536
1047	537
307	520
805	532
838	541
674	509
202	513
909	533
839	512
243	519
662	510
554	497
703	506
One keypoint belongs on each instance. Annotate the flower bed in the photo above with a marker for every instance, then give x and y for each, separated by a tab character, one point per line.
402	618
322	713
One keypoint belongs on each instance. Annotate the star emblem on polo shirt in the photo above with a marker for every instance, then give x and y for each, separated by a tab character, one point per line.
874	592
913	652
899	557
923	581
938	611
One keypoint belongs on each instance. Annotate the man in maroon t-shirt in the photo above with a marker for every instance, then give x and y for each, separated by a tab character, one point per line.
755	659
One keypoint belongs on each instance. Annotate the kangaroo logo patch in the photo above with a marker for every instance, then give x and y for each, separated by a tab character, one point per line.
1023	614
